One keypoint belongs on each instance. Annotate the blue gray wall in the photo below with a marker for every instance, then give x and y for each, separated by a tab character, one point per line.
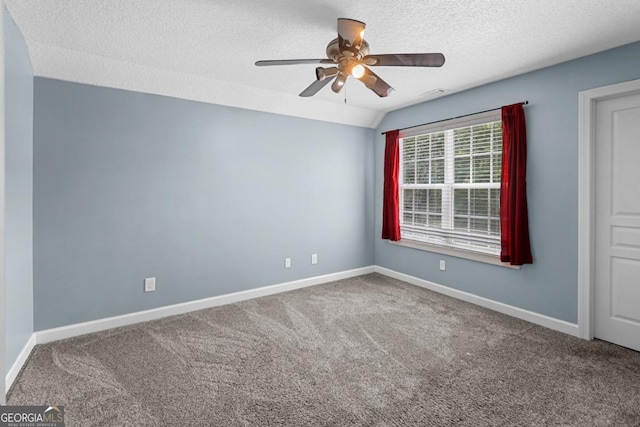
211	199
549	286
207	199
18	224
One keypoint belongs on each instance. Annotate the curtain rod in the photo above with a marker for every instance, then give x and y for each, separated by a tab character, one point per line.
452	118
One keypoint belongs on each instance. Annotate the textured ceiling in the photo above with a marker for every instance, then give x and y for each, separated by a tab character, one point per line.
205	49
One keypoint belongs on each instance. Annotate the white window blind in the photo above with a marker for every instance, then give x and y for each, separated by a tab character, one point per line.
450	183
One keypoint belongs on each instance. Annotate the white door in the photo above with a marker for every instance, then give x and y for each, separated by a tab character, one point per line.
617	220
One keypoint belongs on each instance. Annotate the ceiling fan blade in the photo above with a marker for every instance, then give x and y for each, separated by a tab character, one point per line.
315	87
350	34
293	62
405	60
376	84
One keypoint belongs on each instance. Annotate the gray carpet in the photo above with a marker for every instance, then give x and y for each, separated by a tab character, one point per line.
364	351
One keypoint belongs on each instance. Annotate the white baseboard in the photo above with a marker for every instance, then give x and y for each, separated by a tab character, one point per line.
529	316
20	361
78	329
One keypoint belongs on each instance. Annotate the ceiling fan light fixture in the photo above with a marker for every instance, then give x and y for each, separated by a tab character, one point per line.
323	73
358	71
338	83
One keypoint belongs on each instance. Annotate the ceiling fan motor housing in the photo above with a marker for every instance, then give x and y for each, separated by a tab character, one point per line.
334	53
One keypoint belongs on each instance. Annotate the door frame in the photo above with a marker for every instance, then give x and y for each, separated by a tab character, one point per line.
586	197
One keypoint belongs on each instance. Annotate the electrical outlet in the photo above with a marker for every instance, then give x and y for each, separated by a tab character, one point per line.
314	258
442	265
150	284
287	263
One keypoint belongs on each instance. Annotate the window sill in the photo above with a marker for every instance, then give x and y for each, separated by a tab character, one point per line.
487	259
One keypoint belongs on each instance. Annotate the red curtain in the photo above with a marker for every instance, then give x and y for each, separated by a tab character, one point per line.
514	221
390	204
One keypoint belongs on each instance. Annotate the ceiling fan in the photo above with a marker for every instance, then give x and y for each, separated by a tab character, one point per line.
349	55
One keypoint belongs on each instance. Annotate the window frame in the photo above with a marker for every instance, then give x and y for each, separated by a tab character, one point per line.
447	212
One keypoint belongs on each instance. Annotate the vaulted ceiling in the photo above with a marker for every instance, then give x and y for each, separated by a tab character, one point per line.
205	50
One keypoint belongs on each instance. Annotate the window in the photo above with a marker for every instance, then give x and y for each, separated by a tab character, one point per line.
450	183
